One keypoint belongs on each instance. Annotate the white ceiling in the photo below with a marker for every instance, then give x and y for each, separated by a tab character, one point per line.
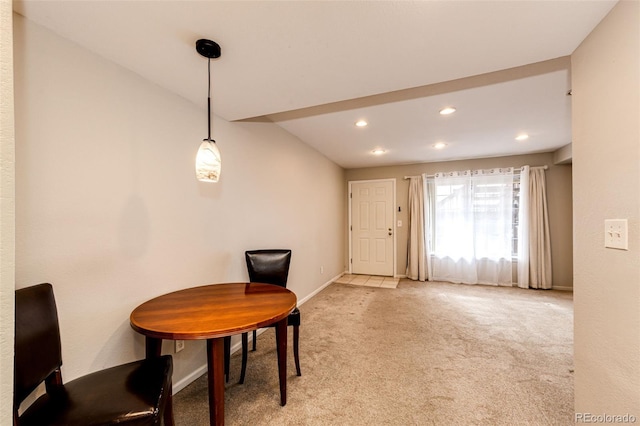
315	67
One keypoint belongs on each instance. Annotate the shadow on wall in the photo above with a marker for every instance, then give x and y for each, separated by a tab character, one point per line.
133	229
118	346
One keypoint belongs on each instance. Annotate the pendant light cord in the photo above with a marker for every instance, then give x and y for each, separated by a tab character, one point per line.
209	102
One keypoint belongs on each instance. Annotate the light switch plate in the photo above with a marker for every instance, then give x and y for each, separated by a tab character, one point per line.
615	234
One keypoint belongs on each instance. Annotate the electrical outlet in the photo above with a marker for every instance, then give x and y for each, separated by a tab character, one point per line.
179	345
322	269
615	234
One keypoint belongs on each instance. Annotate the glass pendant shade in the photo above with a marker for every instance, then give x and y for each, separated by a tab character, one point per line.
208	162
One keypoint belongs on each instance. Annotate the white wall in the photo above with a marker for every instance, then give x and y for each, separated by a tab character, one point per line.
606	173
7	213
109	210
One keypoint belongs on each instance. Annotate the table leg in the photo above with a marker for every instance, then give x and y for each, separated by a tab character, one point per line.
281	338
215	363
227	357
153	347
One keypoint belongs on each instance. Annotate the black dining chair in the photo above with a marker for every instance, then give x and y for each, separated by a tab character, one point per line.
271	266
137	393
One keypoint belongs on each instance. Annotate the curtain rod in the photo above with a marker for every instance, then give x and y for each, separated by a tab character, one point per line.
545	167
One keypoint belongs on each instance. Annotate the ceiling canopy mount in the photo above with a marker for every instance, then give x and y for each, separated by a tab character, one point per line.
208	49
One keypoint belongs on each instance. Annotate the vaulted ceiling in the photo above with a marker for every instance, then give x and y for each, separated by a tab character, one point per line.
317	67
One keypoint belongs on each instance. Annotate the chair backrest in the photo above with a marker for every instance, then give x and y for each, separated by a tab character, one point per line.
38	351
268	266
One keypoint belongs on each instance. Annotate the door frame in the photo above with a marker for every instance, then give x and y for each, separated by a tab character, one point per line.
394	224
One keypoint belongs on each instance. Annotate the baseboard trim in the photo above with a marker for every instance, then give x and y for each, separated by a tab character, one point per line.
319	289
193	376
190	378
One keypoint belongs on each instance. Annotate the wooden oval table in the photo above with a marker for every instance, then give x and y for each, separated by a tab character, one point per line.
213	312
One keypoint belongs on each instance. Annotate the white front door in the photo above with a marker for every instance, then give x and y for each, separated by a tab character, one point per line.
372	230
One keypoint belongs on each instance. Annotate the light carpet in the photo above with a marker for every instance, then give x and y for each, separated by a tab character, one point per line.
420	354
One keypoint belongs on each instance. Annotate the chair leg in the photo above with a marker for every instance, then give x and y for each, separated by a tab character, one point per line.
227	357
245	347
254	341
168	411
296	356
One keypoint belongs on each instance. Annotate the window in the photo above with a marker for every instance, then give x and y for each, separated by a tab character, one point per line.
474	216
474	231
516	212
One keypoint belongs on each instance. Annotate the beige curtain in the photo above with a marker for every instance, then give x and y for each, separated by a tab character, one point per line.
429	214
416	250
523	229
539	238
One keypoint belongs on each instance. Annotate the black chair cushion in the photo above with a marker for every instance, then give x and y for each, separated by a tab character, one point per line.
294	317
132	390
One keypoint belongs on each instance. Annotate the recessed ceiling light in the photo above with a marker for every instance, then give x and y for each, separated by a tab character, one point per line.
522	137
439	145
361	123
447	111
378	151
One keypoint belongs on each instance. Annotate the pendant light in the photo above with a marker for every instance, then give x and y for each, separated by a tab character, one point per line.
208	160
